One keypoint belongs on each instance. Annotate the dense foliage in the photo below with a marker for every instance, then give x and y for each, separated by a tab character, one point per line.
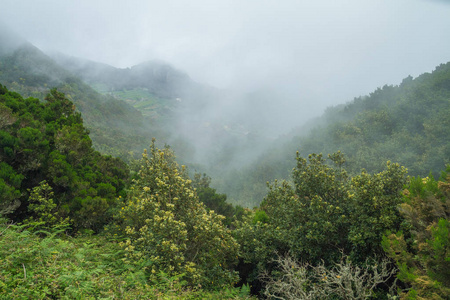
85	267
325	234
45	145
423	253
167	227
323	215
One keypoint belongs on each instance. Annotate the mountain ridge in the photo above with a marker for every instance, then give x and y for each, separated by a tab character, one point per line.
113	123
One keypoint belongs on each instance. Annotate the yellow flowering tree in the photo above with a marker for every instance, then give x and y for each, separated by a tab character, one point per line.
169	229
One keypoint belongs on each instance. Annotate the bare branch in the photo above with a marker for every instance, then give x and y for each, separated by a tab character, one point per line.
344	280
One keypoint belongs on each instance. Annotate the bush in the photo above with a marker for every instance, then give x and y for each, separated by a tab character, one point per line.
169	229
323	213
344	280
82	267
422	253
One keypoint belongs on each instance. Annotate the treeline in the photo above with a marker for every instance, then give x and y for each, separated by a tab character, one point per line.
91	226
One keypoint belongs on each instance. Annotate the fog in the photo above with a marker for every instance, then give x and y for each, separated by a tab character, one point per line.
295	57
318	52
262	67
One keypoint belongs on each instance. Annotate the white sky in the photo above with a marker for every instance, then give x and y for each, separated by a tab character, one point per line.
318	53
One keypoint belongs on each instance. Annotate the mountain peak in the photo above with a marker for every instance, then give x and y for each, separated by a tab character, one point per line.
10	40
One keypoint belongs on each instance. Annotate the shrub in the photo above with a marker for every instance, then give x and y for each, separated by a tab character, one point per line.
344	280
168	228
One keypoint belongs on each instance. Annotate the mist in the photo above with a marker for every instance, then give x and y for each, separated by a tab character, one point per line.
272	66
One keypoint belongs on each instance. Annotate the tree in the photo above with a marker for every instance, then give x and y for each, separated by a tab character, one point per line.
169	230
323	214
61	109
214	201
44	209
47	141
10	193
422	253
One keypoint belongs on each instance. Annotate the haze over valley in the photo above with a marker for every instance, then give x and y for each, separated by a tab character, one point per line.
224	83
225	149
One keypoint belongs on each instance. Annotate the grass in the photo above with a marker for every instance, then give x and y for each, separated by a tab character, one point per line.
141	99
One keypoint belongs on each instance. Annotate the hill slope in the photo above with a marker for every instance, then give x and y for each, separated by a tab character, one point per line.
116	127
408	124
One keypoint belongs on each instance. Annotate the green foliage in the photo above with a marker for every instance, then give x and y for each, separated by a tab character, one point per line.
46	141
169	229
260	216
214	201
10	193
42	206
83	267
323	214
422	187
423	252
373	208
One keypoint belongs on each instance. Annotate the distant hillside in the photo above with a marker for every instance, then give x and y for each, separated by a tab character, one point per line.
159	78
115	126
197	119
125	108
408	124
155	88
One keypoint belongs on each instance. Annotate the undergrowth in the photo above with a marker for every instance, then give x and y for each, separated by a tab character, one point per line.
52	265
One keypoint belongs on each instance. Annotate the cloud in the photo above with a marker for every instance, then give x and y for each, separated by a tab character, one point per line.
314	53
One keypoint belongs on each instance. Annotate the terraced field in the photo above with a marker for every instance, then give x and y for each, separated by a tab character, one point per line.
149	104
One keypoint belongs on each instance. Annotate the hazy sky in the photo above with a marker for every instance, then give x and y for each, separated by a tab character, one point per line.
319	52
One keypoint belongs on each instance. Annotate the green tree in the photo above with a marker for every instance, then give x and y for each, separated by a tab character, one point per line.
215	201
47	141
168	228
45	214
10	193
323	214
422	253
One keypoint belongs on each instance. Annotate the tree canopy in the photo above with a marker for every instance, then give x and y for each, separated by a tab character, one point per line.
47	141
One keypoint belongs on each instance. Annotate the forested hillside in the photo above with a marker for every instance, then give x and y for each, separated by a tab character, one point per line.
408	124
125	108
116	127
53	182
88	228
87	212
